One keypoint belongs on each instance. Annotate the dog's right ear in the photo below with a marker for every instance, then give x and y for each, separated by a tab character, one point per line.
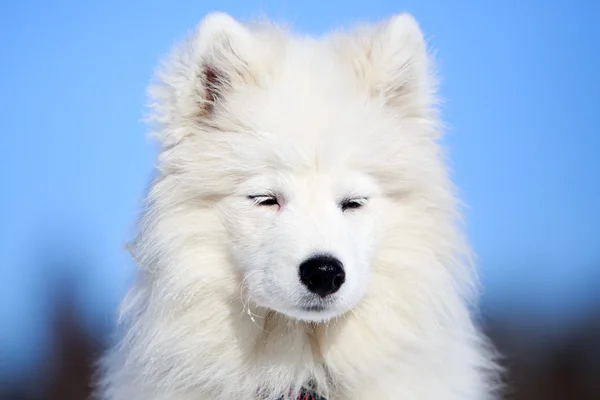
220	55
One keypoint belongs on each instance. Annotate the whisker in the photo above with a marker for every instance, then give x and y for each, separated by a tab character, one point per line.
244	288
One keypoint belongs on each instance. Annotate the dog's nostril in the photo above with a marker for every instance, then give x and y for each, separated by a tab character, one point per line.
323	275
338	281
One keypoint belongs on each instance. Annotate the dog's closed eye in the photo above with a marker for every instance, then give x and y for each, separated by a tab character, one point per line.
353	203
265	200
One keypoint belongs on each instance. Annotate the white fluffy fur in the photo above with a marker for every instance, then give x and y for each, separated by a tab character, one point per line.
215	312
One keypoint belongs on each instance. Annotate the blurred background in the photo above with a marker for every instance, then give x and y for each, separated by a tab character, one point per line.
521	83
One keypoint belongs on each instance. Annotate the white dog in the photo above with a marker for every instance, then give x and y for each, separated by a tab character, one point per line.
300	239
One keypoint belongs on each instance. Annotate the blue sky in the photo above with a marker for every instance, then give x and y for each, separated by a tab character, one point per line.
522	92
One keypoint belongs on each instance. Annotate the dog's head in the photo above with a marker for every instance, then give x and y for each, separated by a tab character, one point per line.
307	149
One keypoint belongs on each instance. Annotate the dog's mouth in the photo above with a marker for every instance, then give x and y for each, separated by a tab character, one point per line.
314	308
315	304
307	308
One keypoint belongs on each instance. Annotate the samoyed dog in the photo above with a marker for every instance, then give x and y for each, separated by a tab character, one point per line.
301	238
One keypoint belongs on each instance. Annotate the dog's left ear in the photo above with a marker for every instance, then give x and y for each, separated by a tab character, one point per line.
391	61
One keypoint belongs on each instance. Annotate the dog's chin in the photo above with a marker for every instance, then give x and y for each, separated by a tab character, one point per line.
312	314
320	312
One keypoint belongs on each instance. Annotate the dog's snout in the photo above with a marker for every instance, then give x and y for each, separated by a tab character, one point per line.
322	275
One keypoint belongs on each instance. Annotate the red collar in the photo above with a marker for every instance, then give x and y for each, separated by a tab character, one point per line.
307	394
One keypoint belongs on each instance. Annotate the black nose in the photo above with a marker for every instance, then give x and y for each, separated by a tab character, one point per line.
323	275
